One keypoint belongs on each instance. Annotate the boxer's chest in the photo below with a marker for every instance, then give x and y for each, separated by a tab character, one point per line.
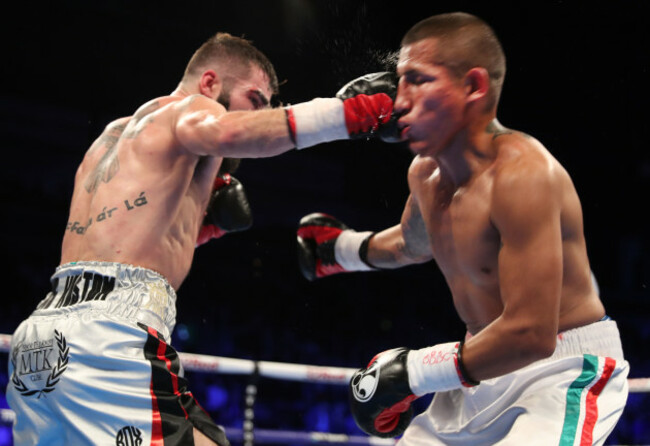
463	239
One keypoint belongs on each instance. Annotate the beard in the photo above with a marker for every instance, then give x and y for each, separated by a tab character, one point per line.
228	165
224	98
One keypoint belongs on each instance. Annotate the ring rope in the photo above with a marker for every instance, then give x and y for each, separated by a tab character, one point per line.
286	371
268	436
266	369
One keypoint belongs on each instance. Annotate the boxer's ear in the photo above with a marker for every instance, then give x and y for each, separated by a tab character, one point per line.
477	84
210	84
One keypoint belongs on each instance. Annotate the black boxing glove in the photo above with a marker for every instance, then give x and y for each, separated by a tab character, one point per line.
228	210
381	394
326	246
373	83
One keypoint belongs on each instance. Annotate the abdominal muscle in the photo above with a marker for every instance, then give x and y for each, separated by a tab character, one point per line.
478	305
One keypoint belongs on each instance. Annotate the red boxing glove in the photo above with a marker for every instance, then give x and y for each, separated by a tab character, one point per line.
327	246
207	233
363	108
227	211
371	84
364	115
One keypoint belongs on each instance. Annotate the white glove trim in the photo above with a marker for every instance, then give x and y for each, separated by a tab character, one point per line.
319	120
434	369
346	250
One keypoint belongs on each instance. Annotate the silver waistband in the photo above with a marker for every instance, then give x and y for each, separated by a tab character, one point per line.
119	289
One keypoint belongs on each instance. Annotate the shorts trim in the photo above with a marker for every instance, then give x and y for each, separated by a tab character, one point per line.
582	398
165	366
175	412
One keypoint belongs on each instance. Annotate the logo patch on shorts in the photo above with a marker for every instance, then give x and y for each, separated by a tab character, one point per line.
34	373
128	436
364	382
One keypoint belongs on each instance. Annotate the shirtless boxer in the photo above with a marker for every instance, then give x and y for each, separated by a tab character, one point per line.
93	364
541	364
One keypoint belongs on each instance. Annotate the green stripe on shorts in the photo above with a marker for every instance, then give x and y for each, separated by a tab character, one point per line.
572	414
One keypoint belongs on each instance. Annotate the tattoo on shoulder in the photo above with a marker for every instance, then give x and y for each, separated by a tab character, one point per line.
189	101
108	165
497	130
141	119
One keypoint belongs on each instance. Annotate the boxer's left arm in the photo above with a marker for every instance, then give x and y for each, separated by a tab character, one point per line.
526	206
381	394
204	128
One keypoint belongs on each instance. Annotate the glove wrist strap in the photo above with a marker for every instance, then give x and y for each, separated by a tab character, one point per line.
347	250
466	380
317	121
436	369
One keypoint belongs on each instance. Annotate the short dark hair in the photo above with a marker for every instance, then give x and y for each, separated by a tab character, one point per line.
466	41
234	53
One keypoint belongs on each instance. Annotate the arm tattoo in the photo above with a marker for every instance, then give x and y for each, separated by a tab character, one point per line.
141	119
108	165
415	233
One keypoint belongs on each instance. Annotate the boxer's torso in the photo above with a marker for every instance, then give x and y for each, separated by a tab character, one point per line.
139	197
466	242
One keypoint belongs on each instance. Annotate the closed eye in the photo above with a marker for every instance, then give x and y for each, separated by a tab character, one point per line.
258	100
416	78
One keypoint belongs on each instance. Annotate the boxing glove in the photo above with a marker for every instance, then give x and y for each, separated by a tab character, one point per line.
373	83
228	210
326	246
350	116
381	394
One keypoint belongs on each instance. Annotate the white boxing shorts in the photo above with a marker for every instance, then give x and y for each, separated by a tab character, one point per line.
93	364
573	398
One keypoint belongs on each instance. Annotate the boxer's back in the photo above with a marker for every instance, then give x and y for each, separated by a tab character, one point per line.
139	196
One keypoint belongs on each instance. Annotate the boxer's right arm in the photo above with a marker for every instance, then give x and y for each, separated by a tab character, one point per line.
326	246
404	244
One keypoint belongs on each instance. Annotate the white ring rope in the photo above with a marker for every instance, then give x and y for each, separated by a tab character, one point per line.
266	436
285	371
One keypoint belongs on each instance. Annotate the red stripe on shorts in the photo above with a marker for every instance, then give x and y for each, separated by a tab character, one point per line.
162	350
156	422
591	406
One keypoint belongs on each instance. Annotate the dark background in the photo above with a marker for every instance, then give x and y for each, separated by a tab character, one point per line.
577	80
